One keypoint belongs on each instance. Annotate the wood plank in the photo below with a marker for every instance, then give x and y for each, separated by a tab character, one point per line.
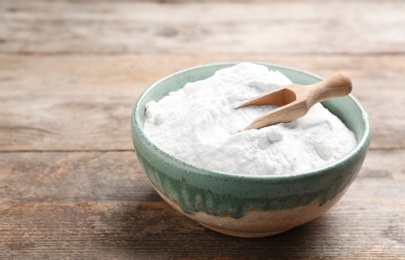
117	176
192	1
78	177
354	229
78	102
99	205
355	27
71	70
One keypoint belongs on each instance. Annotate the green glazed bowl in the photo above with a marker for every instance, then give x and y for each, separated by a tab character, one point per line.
249	205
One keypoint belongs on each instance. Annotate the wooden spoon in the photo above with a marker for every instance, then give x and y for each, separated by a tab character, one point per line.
295	100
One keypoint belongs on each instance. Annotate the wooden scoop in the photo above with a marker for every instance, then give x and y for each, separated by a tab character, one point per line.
295	100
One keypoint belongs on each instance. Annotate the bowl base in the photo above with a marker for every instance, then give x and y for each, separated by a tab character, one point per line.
244	234
217	221
256	223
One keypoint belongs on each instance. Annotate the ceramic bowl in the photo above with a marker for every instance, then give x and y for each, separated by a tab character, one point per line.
248	205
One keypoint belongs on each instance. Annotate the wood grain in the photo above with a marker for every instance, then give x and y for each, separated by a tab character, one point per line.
100	205
78	177
355	27
80	102
152	230
34	177
71	70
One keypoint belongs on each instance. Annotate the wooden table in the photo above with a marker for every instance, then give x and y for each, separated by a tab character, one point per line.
70	72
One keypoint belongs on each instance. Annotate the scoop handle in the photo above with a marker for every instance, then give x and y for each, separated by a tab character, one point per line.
337	85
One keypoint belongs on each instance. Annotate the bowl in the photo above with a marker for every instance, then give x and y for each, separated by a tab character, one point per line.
248	205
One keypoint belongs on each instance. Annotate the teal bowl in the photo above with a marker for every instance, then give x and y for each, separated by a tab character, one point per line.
248	205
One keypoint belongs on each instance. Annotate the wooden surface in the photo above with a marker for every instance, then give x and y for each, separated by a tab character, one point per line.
70	72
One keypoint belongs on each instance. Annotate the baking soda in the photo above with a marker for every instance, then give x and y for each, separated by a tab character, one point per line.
200	125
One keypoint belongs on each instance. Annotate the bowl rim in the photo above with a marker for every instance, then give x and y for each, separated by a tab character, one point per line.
363	143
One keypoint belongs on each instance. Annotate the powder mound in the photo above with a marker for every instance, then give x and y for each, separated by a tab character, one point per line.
200	125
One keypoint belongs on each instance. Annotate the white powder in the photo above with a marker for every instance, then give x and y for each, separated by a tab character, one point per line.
200	125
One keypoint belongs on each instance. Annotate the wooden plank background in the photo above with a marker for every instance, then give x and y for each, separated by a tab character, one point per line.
71	71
